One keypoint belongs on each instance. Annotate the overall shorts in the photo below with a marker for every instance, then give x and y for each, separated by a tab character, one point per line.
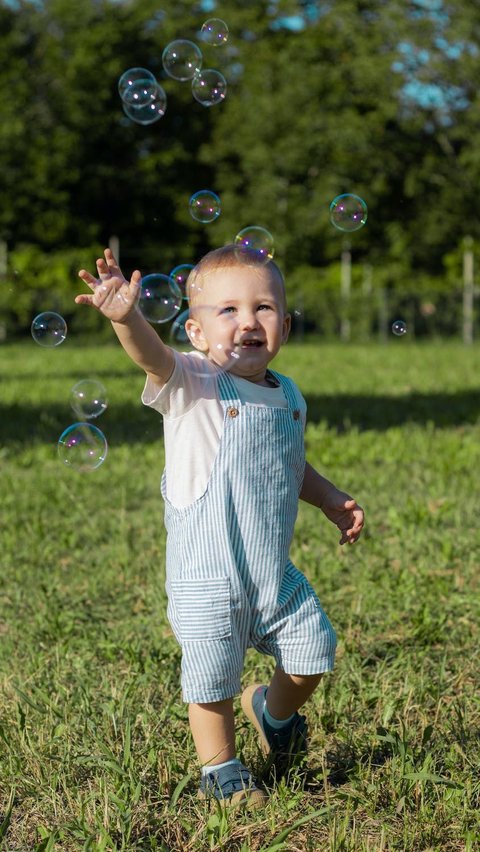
230	582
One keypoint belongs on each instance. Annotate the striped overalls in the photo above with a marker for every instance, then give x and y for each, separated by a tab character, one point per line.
230	582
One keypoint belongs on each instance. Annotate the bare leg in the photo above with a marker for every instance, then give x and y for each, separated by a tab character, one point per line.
213	730
288	692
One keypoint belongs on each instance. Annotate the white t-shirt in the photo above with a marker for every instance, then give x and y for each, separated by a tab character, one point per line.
193	421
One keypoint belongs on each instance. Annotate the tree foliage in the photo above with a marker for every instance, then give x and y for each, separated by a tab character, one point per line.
366	96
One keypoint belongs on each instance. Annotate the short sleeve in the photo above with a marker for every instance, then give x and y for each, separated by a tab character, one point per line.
185	387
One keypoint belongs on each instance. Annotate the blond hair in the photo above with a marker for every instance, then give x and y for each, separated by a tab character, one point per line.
227	257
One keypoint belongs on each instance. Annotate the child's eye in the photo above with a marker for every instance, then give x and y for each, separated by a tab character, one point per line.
228	310
264	307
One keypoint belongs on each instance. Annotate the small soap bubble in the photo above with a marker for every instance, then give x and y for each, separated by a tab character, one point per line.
257	241
205	206
180	274
140	93
82	447
182	59
399	328
88	399
132	76
209	87
160	298
348	212
214	32
178	335
151	106
49	329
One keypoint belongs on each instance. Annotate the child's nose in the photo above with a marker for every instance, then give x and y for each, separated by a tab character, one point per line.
248	320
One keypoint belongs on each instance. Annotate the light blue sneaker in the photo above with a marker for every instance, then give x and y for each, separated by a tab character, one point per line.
286	746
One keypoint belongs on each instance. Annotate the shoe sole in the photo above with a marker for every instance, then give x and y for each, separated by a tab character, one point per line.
243	799
247	707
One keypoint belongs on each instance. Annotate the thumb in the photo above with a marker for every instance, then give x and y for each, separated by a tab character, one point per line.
350	503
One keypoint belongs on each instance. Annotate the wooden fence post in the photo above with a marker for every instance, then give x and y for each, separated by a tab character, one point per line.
345	290
114	246
3	282
468	291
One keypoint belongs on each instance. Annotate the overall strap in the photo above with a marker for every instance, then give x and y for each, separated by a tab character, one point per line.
227	390
289	389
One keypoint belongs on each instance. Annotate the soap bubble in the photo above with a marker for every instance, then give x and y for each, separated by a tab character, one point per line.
88	399
209	87
140	93
214	32
348	212
205	206
399	328
182	59
150	106
180	275
178	335
160	298
258	241
82	447
130	77
49	329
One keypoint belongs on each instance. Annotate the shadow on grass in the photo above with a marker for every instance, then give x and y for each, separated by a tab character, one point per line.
23	423
33	425
343	411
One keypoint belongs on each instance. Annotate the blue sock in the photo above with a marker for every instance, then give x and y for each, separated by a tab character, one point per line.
276	724
212	767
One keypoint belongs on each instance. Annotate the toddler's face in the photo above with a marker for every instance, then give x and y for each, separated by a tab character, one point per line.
238	318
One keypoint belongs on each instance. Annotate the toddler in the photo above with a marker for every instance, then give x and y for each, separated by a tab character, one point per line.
234	472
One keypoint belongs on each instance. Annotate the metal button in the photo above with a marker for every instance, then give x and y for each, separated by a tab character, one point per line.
232	412
296	414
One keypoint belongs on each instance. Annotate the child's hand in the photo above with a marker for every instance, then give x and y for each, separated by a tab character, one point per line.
112	295
345	512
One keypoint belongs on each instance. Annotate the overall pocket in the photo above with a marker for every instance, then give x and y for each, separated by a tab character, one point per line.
202	608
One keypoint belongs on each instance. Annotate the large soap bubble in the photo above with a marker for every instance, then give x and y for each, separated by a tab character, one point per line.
160	298
348	212
88	399
49	329
214	32
82	447
145	102
209	87
205	206
131	77
256	240
182	59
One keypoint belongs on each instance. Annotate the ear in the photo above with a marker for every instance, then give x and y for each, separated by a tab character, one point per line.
287	324
195	334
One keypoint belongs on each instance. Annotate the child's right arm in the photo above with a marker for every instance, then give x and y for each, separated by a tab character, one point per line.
117	299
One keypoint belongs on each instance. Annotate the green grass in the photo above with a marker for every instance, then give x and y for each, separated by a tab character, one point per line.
95	752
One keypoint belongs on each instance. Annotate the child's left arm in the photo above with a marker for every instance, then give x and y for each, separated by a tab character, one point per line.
338	506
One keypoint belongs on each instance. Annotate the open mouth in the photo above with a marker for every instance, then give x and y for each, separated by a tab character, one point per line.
251	344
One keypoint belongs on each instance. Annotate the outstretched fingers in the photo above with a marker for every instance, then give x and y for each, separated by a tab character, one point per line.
89	279
136	279
112	263
84	299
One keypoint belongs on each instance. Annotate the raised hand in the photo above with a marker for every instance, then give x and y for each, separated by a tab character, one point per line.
112	294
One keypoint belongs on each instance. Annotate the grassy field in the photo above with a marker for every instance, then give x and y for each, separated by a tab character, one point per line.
94	746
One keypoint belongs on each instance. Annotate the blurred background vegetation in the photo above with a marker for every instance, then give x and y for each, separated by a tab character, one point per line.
373	97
